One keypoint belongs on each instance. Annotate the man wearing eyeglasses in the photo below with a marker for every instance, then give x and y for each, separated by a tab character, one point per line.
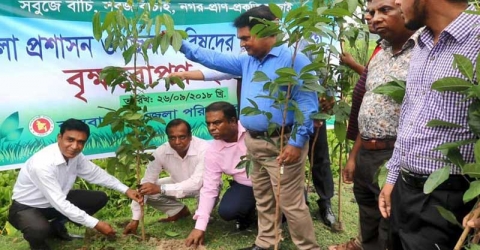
223	157
183	159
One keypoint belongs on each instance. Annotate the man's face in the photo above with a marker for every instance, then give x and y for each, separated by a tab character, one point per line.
71	143
414	13
219	127
256	47
386	19
368	18
179	139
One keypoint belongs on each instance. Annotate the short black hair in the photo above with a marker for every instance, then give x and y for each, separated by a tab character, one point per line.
229	111
176	122
261	12
74	124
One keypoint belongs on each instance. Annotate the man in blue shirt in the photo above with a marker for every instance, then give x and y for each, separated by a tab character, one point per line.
267	159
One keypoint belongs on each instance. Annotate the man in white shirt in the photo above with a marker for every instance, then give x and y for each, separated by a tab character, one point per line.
183	159
42	197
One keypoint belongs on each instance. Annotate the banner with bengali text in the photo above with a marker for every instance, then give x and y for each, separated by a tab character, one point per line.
51	64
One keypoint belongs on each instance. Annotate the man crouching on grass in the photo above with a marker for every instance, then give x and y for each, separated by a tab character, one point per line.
42	199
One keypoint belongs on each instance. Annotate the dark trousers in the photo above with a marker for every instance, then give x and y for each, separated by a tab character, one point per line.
373	227
34	222
415	222
237	203
321	171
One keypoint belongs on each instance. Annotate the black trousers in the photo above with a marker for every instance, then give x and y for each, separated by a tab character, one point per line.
321	171
373	227
415	222
34	222
237	203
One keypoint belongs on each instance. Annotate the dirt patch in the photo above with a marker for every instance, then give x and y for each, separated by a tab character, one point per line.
167	244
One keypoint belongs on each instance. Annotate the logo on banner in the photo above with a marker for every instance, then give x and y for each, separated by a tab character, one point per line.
41	125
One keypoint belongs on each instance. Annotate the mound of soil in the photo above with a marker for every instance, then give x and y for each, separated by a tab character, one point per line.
175	244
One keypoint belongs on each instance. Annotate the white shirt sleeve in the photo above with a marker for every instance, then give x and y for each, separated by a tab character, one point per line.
46	181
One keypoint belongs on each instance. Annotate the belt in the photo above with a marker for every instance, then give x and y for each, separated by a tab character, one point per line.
378	144
258	134
454	182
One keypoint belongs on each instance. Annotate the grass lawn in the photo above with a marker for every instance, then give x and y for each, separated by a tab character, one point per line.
220	234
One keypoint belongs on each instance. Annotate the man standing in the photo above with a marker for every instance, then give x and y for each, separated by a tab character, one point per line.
378	119
42	197
183	159
264	56
223	156
416	223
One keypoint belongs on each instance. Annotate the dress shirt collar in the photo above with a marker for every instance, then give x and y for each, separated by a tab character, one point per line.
58	158
221	144
459	29
275	51
410	43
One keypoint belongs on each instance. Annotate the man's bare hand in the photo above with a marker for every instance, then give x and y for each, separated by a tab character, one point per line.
131	228
470	221
105	229
327	103
290	155
195	238
347	59
134	195
182	75
384	200
349	171
149	189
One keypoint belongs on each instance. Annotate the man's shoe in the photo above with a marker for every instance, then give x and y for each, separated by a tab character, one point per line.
327	216
60	231
254	247
182	214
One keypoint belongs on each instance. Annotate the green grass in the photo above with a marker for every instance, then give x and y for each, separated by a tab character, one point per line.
220	234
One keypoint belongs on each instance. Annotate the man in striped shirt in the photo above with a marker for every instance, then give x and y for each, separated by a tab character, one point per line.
416	222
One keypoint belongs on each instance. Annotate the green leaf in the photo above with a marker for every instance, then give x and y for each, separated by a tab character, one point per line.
164	43
391	89
455	156
447	215
176	41
476	151
340	130
456	144
436	178
320	116
474	246
168	21
352	5
381	176
454	84
158	24
10	229
9	125
97	26
472	170
311	67
472	192
286	72
178	82
336	12
259	76
275	10
313	87
473	117
127	54
250	111
440	123
171	233
254	104
464	65
109	19
130	116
